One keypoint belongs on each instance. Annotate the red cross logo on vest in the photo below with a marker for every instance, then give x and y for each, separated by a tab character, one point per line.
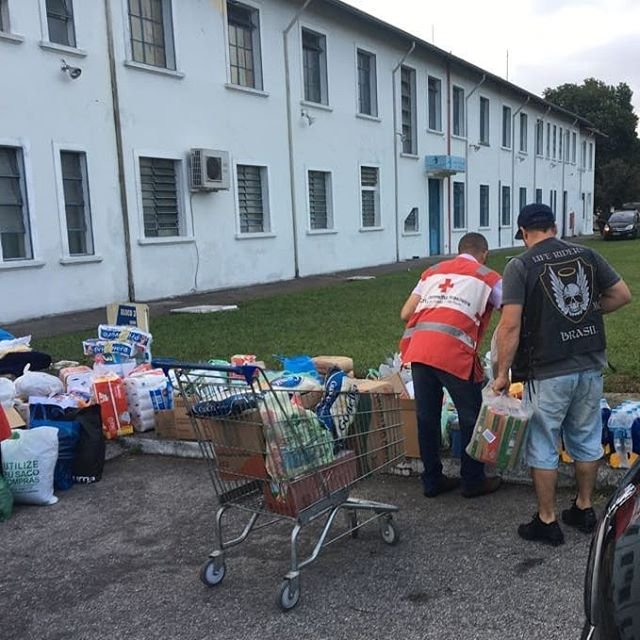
446	285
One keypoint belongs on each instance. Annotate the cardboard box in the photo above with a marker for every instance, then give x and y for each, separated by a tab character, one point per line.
128	314
324	364
376	434
410	427
291	497
15	420
175	424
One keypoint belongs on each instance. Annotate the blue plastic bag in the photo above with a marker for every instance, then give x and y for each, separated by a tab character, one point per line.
299	364
49	415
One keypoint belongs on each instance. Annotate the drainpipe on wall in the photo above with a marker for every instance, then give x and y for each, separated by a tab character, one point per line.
117	123
395	145
466	148
513	163
287	76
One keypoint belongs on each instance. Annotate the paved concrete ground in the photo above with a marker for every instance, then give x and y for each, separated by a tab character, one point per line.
120	559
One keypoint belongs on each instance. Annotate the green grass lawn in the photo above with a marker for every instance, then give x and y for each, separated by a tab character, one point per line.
359	319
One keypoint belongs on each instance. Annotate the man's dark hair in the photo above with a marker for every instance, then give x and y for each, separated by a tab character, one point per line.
473	243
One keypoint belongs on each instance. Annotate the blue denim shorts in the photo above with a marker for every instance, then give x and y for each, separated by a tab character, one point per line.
567	406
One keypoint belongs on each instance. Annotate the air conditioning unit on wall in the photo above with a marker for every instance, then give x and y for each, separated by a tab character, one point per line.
209	170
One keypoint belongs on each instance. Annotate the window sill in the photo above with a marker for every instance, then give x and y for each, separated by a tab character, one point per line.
10	265
368	229
62	48
321	232
437	132
366	116
481	143
411	234
456	136
316	105
255	236
166	240
484	228
459	230
162	71
410	156
249	90
69	260
14	38
509	149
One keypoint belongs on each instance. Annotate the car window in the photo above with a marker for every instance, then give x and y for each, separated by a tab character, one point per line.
622	216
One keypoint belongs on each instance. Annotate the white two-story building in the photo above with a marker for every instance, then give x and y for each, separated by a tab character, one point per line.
151	148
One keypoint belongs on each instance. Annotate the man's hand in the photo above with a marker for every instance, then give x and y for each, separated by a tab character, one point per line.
500	384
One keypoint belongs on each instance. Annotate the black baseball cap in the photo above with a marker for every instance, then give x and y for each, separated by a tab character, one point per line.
535	215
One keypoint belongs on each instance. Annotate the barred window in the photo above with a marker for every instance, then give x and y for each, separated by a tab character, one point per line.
370	196
408	100
160	202
4	16
244	45
484	120
434	100
60	22
320	214
15	233
522	200
252	199
506	127
458	111
152	32
411	222
484	205
459	217
367	87
505	219
76	202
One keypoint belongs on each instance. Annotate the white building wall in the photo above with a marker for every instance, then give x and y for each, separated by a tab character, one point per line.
164	114
42	111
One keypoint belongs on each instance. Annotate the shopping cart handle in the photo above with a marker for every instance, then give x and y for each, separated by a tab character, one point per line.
248	371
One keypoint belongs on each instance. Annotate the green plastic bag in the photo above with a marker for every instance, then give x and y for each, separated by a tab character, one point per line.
6	498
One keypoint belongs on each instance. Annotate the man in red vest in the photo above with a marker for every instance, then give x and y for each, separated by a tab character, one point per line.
447	314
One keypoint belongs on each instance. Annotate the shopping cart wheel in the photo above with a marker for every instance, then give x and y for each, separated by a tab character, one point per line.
389	531
212	572
289	595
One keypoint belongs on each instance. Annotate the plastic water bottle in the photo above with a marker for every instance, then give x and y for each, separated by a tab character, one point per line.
620	426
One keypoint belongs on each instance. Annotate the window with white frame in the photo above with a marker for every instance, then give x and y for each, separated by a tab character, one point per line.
522	200
161	188
484	205
567	138
434	101
538	196
370	196
590	164
367	84
539	137
505	207
548	154
151	29
320	209
574	145
583	155
4	16
560	145
77	207
243	27
458	111
484	121
506	127
15	231
459	218
524	134
253	198
60	22
314	58
408	100
554	142
411	222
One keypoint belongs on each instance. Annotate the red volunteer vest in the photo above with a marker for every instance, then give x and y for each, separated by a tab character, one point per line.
451	318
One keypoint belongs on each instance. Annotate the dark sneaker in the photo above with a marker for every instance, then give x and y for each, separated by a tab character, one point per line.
582	519
539	531
445	484
488	485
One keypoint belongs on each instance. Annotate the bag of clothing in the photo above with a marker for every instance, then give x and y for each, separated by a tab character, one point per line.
88	463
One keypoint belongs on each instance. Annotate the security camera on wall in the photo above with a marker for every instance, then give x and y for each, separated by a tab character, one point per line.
74	72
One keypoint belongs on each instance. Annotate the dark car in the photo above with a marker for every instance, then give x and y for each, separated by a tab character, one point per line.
612	583
622	224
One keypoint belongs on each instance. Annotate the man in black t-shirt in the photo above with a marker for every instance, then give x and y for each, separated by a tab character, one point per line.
551	336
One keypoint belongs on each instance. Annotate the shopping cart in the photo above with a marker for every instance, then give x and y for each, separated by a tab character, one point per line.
280	454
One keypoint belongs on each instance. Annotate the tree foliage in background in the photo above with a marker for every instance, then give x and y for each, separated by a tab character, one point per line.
609	109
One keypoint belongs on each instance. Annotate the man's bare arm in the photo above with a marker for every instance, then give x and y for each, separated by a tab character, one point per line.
615	297
409	307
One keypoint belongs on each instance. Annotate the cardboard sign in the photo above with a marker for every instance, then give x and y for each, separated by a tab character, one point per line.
128	314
